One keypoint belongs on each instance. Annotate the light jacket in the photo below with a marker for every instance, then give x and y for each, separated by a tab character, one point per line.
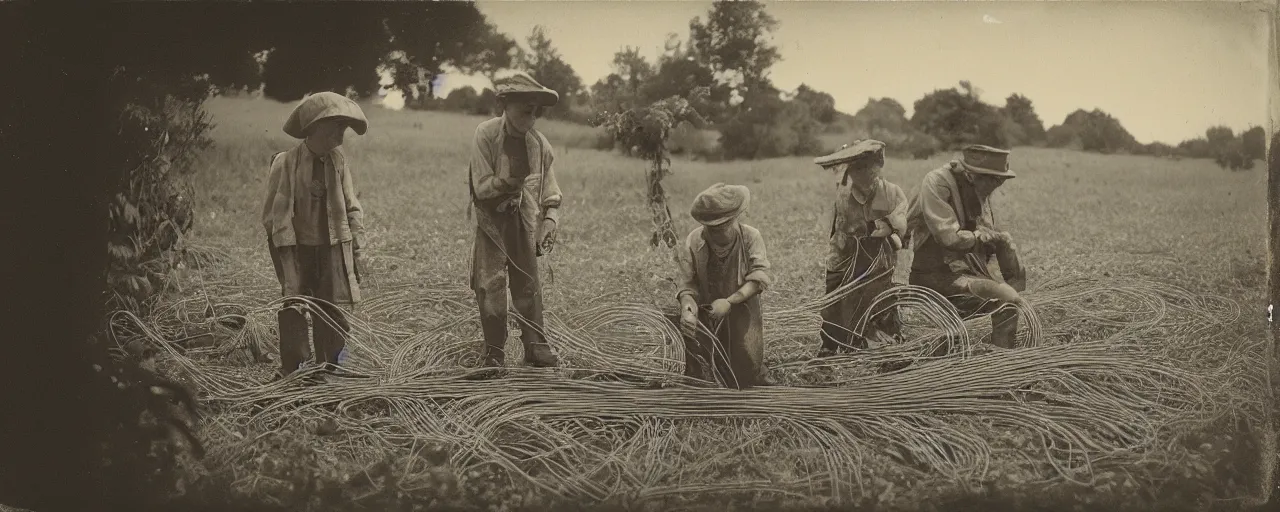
753	264
851	213
346	217
938	238
539	195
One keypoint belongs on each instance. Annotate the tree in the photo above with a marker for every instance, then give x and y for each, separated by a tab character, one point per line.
958	117
1097	131
647	130
680	76
622	89
462	99
733	44
822	107
543	62
1254	142
427	37
1018	109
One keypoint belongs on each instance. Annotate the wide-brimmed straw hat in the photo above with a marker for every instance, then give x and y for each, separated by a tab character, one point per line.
324	105
858	150
720	203
980	159
521	85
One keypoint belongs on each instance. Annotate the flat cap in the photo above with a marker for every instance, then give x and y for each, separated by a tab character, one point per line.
850	152
521	84
720	203
323	105
987	160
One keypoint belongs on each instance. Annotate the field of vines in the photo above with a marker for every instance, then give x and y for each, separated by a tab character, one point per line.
1139	382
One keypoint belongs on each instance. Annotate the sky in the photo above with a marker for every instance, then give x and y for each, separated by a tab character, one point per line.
1166	70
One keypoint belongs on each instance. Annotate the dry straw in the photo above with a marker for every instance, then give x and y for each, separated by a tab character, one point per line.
1105	384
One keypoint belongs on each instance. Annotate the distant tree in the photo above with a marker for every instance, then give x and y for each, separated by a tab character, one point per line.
1018	108
486	104
462	99
680	76
957	117
767	127
543	62
1254	142
822	107
1219	136
622	89
734	42
1099	132
881	116
1064	136
1198	147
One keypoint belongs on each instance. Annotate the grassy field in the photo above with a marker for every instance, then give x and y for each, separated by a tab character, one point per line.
1080	220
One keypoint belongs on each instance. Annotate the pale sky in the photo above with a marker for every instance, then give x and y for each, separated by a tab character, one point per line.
1167	70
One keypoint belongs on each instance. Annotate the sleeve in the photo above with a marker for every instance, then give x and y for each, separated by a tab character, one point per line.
355	212
551	195
757	261
688	279
483	179
941	219
898	217
277	210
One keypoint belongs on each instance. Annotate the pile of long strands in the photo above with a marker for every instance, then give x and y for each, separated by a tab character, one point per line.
1100	387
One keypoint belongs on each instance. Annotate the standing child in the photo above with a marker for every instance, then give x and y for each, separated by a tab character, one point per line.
869	219
314	224
724	271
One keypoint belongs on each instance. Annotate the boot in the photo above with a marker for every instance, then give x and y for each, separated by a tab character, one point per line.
540	355
1004	328
294	339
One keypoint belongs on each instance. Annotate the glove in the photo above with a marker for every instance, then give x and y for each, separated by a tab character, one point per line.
546	236
720	308
688	323
882	230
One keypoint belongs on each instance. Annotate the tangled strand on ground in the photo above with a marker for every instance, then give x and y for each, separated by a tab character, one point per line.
1093	386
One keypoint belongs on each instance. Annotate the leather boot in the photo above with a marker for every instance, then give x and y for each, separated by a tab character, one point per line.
294	339
540	355
1004	328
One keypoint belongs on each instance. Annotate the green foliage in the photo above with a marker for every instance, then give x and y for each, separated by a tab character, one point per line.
734	41
958	117
1026	124
768	127
822	107
646	129
543	62
1093	131
1254	143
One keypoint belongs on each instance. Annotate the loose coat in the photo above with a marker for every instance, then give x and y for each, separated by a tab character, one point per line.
289	173
741	336
539	194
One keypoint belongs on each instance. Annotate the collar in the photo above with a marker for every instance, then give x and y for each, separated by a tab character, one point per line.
864	198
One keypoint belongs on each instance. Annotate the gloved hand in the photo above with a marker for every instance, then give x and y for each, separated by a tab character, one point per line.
546	236
688	319
882	230
720	308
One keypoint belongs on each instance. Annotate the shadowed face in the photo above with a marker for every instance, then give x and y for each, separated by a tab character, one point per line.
864	175
521	114
723	234
985	184
327	134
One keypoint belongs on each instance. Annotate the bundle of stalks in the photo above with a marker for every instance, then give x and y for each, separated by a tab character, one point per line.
1107	401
